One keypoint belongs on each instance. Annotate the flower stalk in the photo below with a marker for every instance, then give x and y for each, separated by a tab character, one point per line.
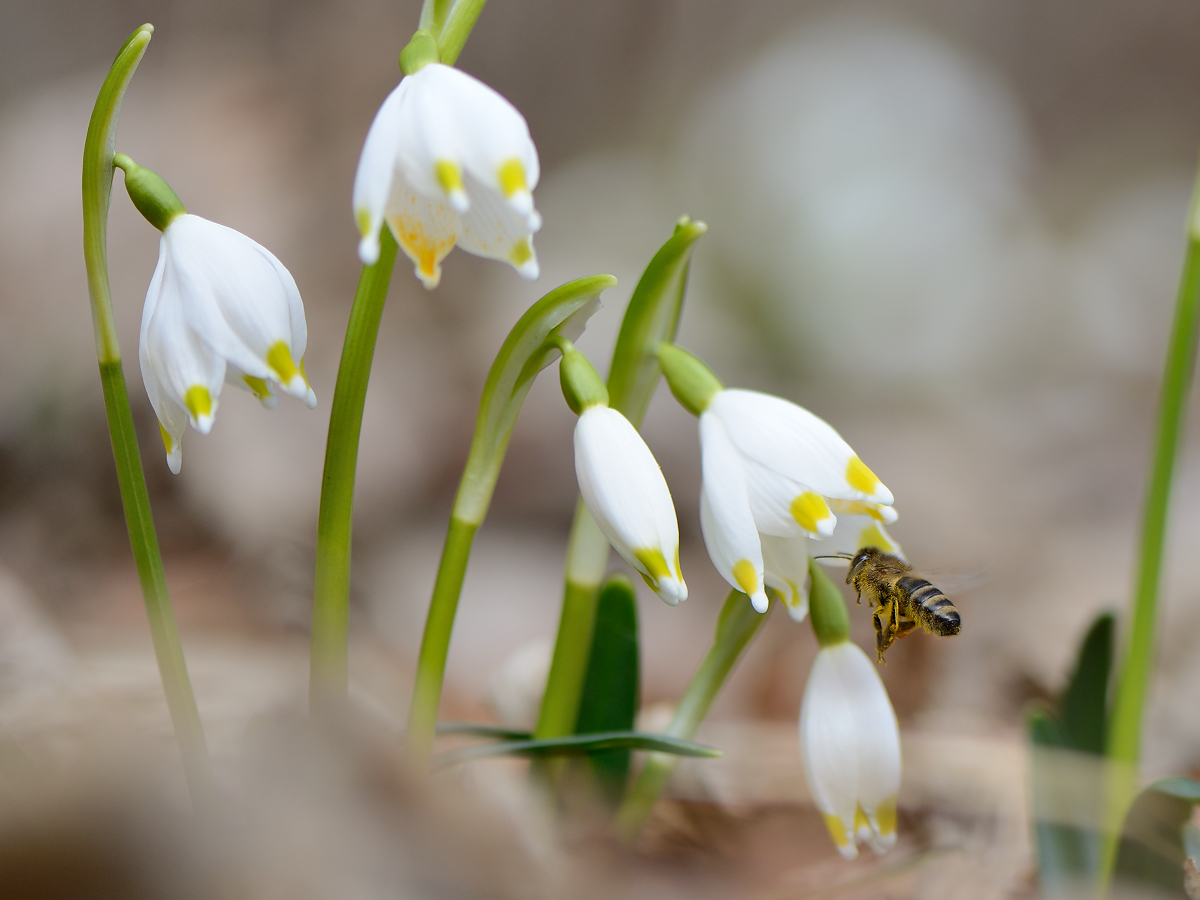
736	626
1124	738
168	650
329	651
533	344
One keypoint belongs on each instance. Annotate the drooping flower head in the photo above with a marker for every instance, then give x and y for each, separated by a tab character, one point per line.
850	748
621	483
448	160
220	309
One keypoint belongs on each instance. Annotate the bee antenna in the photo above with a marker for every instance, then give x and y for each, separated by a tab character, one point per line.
835	556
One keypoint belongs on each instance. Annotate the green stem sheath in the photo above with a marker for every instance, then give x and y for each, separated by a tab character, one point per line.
587	558
168	650
329	664
738	623
1124	738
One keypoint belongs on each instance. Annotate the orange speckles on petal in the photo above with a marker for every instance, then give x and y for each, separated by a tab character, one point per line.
426	252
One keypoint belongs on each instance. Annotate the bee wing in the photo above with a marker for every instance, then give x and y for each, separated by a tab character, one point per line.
956	583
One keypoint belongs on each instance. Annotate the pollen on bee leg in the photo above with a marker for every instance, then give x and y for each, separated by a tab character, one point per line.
201	407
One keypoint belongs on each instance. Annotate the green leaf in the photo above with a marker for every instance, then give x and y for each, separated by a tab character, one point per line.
525	352
1084	704
651	318
576	744
477	729
612	686
1152	840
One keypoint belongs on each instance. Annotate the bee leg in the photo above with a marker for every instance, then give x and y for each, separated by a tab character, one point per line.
904	628
882	637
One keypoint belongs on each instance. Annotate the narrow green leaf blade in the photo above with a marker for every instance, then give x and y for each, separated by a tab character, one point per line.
611	688
576	744
525	352
651	318
1084	705
478	729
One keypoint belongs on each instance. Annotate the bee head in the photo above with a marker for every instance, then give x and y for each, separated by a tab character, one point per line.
860	559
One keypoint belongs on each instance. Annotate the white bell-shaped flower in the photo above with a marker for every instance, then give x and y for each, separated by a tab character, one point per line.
220	309
626	493
771	470
850	747
448	160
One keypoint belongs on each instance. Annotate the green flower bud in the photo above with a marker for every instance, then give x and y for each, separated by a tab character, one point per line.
581	385
827	608
692	382
420	52
151	195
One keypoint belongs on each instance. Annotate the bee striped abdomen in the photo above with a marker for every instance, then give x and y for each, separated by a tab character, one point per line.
933	609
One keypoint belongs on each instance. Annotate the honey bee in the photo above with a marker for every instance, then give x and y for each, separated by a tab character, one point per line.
901	600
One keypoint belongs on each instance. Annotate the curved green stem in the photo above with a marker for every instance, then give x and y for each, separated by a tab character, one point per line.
652	318
1124	738
736	626
97	190
530	346
331	588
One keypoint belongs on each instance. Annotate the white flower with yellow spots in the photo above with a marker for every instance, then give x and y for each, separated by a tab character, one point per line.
220	309
850	747
626	493
771	472
448	160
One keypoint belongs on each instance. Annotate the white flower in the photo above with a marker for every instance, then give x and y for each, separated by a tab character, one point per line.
220	309
769	467
448	160
850	746
627	495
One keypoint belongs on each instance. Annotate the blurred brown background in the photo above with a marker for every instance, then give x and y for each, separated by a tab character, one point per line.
952	229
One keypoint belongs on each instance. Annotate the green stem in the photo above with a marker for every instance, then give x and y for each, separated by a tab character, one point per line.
529	347
587	558
651	318
457	29
1124	738
737	624
97	191
331	589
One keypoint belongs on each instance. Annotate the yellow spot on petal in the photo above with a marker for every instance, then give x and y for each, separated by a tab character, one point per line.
873	536
861	820
420	248
449	175
837	830
860	477
279	358
303	374
809	509
168	441
654	563
363	218
521	253
885	815
678	571
512	177
745	576
198	401
257	385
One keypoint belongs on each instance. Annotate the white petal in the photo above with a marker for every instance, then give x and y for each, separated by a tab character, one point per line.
783	508
725	516
786	564
493	229
425	229
172	418
376	169
850	743
177	358
829	748
852	534
793	442
627	495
